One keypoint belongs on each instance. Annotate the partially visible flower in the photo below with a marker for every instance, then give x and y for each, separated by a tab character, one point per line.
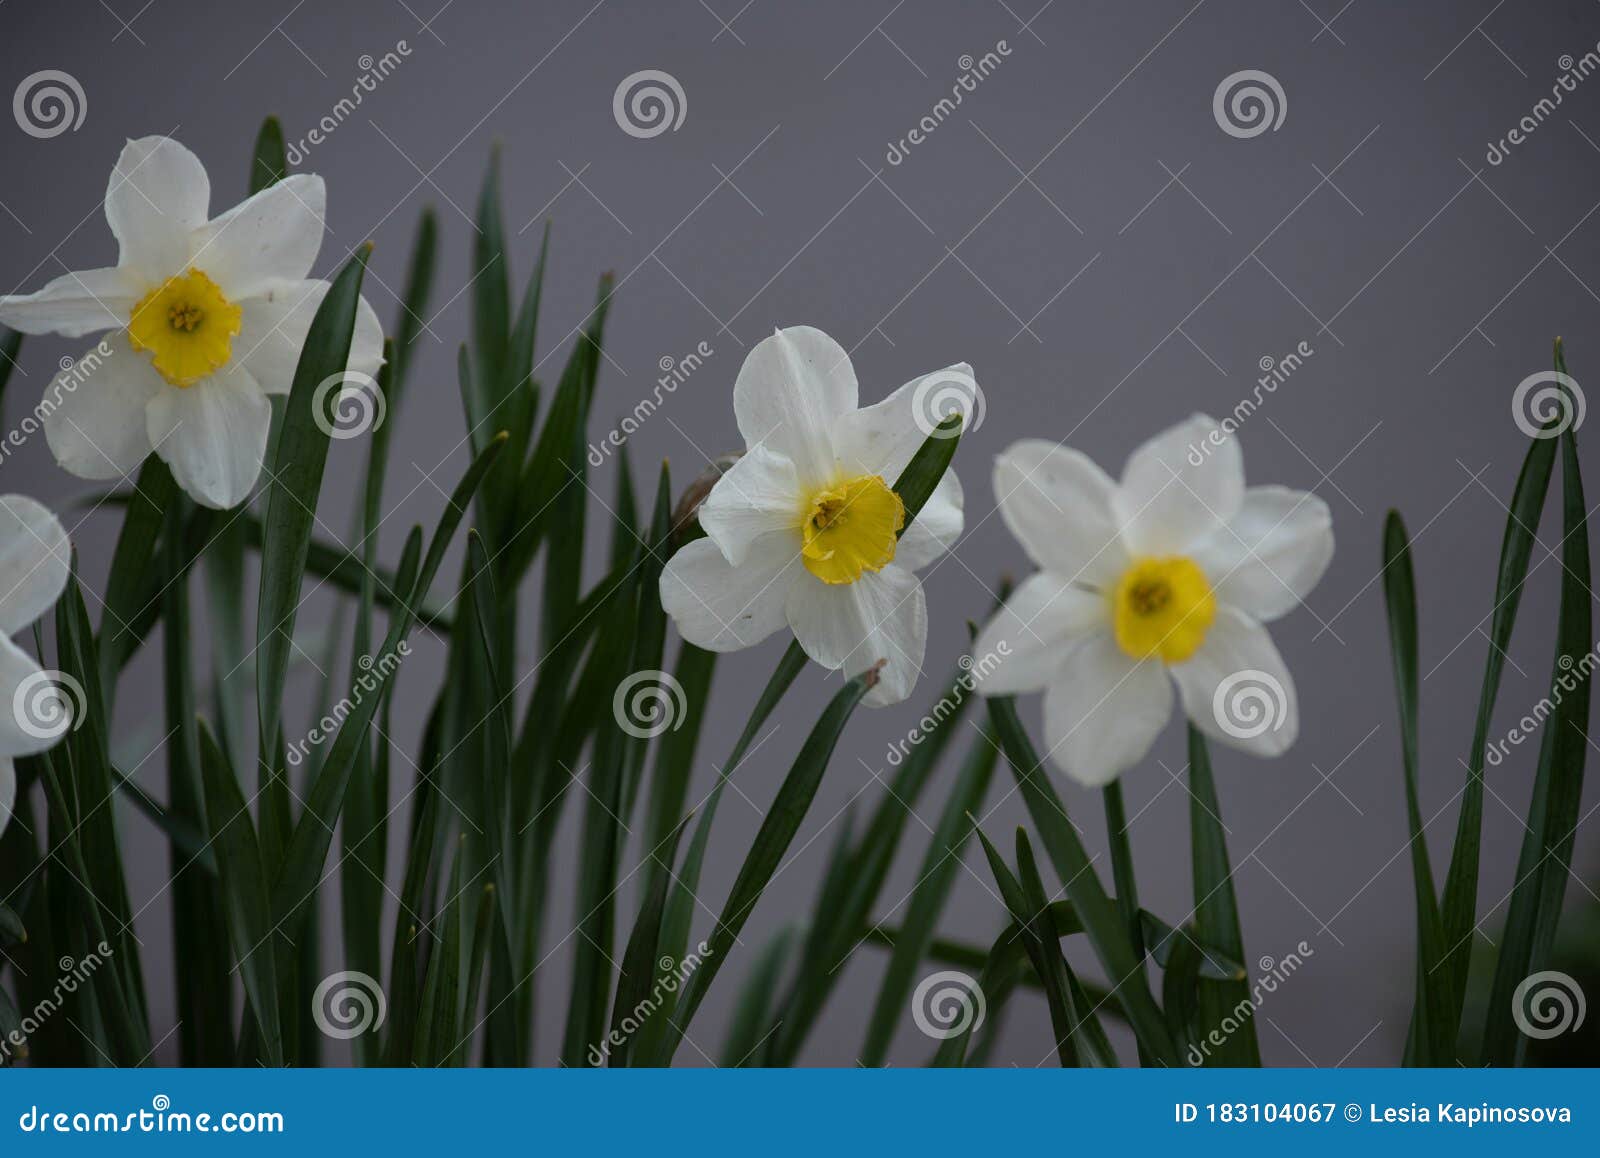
209	318
802	529
1172	571
34	560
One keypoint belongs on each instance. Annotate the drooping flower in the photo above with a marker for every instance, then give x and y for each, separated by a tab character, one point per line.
208	318
804	529
34	561
1170	572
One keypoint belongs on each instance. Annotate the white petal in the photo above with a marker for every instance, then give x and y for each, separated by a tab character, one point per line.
23	730
1274	552
1058	505
790	391
880	439
213	435
34	559
1104	711
724	608
1237	690
273	327
93	413
75	304
157	196
1025	645
759	495
851	626
1178	490
8	792
272	236
936	527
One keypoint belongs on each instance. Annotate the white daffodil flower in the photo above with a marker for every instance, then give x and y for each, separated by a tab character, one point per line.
34	561
1172	571
209	318
802	529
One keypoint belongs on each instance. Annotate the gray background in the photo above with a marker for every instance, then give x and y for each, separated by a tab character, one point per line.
1080	230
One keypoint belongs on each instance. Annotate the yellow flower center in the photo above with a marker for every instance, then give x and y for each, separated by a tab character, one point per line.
188	327
851	527
1162	608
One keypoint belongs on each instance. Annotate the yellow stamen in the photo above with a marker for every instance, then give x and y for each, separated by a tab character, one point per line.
851	527
1162	608
187	325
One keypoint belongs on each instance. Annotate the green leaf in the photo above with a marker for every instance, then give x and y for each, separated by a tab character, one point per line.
10	347
675	750
915	484
1108	933
244	893
639	962
491	290
752	1016
271	162
127	585
413	303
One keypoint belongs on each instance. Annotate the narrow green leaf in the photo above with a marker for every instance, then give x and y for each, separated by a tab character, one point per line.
270	163
127	590
639	960
752	1016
